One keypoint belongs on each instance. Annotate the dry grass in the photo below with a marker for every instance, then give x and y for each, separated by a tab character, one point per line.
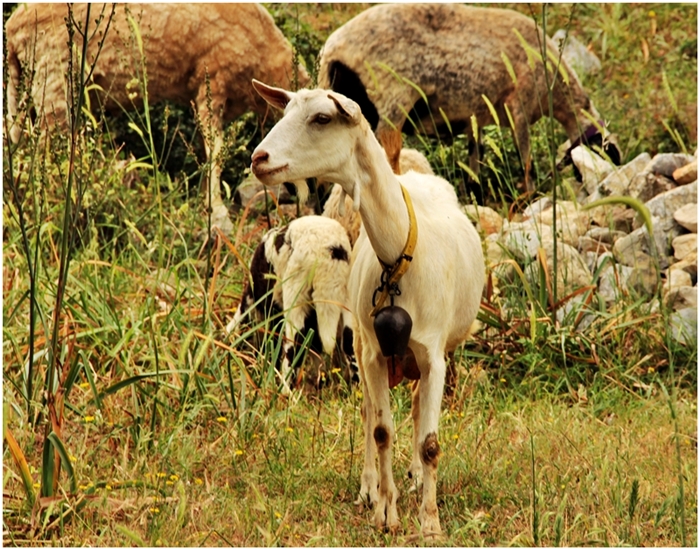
290	476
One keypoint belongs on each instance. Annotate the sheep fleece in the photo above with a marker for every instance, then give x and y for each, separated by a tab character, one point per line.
454	53
232	43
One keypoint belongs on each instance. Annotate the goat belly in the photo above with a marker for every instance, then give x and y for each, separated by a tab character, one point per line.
404	367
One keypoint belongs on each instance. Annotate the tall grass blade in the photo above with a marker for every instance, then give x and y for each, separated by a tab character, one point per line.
21	462
61	449
48	469
114	388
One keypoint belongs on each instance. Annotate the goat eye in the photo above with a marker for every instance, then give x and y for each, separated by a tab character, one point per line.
321	119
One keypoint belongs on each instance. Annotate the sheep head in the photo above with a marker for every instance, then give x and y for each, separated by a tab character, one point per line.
314	139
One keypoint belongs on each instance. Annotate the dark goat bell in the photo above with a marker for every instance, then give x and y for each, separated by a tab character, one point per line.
393	325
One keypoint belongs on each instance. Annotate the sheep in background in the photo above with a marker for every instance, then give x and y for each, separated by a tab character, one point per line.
409	159
300	270
183	46
324	135
455	54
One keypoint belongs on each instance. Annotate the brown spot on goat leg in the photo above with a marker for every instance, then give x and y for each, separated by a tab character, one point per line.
430	450
381	437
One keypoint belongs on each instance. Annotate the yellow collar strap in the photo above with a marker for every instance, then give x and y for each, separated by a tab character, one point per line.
393	273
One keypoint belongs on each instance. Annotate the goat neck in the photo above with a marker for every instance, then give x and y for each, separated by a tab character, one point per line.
382	207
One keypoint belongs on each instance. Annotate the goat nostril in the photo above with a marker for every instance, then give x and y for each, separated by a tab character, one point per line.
259	156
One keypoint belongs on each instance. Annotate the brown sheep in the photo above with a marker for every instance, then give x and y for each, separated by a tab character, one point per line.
183	44
455	55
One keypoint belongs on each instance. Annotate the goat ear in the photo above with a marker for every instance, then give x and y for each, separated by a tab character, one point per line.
347	108
276	97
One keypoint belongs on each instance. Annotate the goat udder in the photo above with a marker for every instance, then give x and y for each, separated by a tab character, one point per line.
404	367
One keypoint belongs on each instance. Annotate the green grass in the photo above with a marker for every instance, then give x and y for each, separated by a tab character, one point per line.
171	433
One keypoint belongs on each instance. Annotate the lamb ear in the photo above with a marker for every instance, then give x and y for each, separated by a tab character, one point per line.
276	97
356	197
347	107
341	206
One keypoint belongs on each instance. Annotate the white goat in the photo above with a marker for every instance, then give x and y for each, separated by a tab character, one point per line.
324	135
301	270
204	53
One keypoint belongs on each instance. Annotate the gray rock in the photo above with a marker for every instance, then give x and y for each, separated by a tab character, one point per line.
586	244
633	248
684	245
618	182
572	222
617	217
524	239
684	326
575	310
682	297
687	216
578	57
612	281
643	280
251	186
665	164
688	264
571	273
604	234
592	167
676	278
637	246
496	257
665	205
537	207
591	259
646	185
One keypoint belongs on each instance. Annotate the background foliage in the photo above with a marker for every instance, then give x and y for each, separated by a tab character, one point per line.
130	419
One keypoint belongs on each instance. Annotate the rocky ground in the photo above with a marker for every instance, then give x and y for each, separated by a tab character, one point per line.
602	240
